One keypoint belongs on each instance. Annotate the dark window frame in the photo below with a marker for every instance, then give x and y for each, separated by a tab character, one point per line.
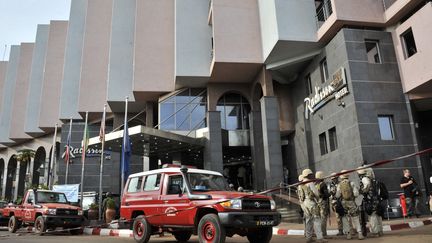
322	137
378	48
333	141
309	87
409	51
325	75
390	118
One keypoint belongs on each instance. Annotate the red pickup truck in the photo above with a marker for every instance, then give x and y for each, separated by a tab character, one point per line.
44	210
186	201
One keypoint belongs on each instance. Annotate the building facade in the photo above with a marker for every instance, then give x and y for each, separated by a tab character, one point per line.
256	89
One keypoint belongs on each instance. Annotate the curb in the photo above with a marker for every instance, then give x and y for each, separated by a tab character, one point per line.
386	228
126	233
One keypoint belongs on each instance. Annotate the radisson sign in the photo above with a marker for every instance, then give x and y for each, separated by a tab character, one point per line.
336	88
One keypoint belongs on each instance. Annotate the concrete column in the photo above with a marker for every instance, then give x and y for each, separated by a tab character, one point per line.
149	114
213	156
17	177
4	181
271	141
31	168
256	138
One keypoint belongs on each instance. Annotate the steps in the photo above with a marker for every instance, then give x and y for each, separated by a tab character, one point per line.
289	208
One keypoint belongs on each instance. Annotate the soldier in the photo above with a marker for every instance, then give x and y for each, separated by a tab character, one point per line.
369	187
348	191
300	195
310	206
334	202
323	201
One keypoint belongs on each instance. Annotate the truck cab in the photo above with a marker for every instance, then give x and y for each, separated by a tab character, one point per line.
44	210
186	201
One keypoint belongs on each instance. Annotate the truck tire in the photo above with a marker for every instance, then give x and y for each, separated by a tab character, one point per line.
13	224
262	235
40	226
210	229
141	229
182	236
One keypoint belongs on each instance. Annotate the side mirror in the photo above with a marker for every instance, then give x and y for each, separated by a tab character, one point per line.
175	189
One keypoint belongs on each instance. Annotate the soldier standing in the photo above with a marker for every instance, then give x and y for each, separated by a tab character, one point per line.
348	191
323	201
310	206
369	187
334	202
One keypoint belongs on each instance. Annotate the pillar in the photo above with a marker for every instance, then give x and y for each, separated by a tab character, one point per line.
31	168
256	138
4	181
213	155
17	177
271	141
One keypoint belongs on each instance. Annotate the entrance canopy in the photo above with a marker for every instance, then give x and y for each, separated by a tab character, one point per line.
148	141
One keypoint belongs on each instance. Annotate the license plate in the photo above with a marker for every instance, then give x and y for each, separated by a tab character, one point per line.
265	222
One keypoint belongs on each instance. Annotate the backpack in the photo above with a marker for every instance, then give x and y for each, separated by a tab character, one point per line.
346	190
382	190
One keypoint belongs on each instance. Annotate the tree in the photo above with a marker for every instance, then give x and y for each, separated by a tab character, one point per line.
24	157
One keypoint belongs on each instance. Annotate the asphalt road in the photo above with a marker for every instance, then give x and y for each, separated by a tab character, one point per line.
418	235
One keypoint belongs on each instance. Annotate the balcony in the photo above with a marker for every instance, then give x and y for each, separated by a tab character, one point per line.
324	10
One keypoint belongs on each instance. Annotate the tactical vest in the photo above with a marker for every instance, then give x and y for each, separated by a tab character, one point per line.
346	190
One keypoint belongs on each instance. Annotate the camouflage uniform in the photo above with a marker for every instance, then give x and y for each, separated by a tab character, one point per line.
333	201
369	190
346	187
323	201
310	197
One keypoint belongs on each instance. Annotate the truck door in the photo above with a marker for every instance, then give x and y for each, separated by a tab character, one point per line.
174	201
28	207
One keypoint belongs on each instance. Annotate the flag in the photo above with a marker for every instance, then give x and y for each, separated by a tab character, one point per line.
68	141
85	141
126	153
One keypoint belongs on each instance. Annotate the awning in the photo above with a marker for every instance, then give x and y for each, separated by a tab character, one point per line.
148	141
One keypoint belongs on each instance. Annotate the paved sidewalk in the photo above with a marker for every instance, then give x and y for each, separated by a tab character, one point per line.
388	225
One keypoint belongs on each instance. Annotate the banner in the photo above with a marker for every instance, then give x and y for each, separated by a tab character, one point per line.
70	190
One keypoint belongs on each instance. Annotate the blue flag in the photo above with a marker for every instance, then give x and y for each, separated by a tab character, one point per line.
126	153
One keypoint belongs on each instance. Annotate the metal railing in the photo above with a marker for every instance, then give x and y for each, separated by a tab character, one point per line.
324	12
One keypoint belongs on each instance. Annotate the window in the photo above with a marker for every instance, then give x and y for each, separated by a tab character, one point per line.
408	43
174	180
333	139
323	143
324	70
152	182
184	111
309	89
235	111
373	52
385	123
134	184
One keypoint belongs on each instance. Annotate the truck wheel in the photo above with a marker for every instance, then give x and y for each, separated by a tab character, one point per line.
182	236
40	226
141	229
210	229
263	235
13	224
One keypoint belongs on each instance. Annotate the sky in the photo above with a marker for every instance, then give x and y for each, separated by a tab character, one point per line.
19	20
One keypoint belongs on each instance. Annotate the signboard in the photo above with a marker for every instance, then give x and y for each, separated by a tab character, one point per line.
336	88
91	152
71	191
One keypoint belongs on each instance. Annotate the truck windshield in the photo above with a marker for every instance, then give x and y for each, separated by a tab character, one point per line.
207	182
51	197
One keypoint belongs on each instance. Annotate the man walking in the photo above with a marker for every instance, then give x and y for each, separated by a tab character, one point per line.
348	191
412	193
310	196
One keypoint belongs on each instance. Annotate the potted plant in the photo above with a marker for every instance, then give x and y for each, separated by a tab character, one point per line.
93	211
110	211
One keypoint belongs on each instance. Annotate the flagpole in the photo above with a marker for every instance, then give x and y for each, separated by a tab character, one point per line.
102	161
68	151
83	157
124	145
50	176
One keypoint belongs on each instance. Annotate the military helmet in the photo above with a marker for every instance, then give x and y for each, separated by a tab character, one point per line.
300	178
370	173
361	170
307	172
333	175
319	175
344	176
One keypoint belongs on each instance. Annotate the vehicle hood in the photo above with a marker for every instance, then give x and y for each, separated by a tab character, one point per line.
232	195
59	205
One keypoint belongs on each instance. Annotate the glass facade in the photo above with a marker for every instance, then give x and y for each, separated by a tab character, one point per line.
235	111
185	111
